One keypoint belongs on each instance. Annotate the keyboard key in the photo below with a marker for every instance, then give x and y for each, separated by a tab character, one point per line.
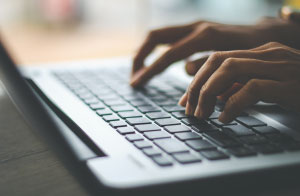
142	144
138	121
138	103
193	121
214	154
166	102
204	128
215	114
171	145
200	145
266	148
132	97
125	130
91	100
177	128
179	115
119	123
175	108
130	114
185	158
253	139
156	135
97	106
134	137
241	152
250	121
221	139
103	112
109	118
145	109
152	152
157	115
238	130
147	127
162	161
167	121
122	108
220	124
115	102
187	136
265	130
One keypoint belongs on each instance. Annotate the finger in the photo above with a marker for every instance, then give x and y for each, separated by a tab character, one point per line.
200	39
235	70
159	36
180	50
215	60
192	67
232	90
254	91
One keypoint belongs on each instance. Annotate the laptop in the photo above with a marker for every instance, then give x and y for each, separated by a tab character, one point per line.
117	140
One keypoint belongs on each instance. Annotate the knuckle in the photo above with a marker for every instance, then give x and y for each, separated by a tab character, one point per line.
205	91
253	87
207	28
152	35
229	64
272	44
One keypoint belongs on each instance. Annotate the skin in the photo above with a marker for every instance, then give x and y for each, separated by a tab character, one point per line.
252	63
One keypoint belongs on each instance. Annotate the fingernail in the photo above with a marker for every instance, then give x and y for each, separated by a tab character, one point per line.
134	81
188	110
180	102
198	112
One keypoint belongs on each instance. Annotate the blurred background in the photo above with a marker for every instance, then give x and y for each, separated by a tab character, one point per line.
55	30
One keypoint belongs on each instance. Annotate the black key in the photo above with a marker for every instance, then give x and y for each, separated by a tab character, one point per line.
142	144
241	152
103	112
204	127
193	121
238	130
179	115
167	121
122	108
157	115
187	136
115	102
134	137
185	158
119	123
97	106
176	108
213	154
145	109
109	118
139	102
253	139
215	114
147	127
171	145
250	121
200	145
220	124
152	152
266	148
151	135
221	139
177	128
125	130
138	121
162	161
130	114
265	130
166	102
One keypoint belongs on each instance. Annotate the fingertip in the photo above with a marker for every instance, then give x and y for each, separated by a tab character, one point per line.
225	118
183	100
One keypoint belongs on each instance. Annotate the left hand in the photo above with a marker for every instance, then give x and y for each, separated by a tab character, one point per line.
269	73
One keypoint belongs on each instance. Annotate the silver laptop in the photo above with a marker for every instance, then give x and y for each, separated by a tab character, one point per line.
119	140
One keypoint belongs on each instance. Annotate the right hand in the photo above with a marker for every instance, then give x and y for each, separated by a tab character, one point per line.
203	36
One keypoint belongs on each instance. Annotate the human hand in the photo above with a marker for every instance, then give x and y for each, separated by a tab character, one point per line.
202	36
270	73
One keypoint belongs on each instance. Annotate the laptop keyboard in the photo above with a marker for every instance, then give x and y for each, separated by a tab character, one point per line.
151	120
